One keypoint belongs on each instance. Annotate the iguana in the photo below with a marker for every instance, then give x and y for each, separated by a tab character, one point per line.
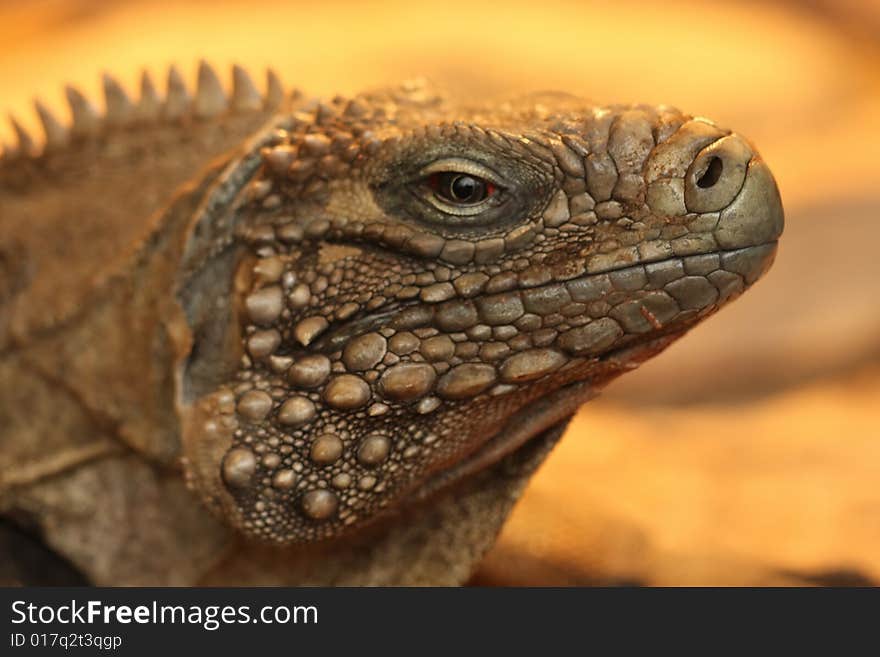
261	338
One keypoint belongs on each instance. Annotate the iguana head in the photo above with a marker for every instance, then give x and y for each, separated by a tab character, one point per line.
406	290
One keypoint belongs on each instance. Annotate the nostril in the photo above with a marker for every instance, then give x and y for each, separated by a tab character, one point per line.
716	175
712	173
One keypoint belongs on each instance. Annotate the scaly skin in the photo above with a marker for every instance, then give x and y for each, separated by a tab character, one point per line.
378	312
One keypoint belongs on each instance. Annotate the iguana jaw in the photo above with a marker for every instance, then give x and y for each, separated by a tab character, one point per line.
546	412
561	404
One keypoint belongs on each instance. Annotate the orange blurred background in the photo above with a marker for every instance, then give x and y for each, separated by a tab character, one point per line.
749	453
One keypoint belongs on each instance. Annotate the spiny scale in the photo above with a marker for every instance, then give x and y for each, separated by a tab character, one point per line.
178	101
56	133
208	102
119	107
26	144
245	97
274	89
86	120
150	104
210	99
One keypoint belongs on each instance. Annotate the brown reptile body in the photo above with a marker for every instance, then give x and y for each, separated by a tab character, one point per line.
352	329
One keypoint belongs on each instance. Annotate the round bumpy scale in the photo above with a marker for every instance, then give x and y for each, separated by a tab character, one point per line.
263	343
238	467
592	338
296	412
364	352
309	329
407	381
374	449
342	480
254	405
264	306
326	449
427	405
320	504
284	479
299	297
466	380
347	392
438	348
310	371
530	365
366	482
268	270
403	343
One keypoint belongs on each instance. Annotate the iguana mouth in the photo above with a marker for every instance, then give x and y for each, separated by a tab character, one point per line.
336	338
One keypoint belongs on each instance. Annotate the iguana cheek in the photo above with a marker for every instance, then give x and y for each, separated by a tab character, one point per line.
319	441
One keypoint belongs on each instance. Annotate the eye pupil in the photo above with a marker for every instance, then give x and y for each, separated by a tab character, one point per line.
465	189
460	188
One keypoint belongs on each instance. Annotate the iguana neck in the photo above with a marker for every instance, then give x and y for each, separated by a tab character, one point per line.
116	355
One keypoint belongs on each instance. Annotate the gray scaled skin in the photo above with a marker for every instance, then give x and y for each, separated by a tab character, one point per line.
352	330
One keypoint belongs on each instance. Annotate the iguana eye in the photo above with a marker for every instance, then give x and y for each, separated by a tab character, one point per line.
460	188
